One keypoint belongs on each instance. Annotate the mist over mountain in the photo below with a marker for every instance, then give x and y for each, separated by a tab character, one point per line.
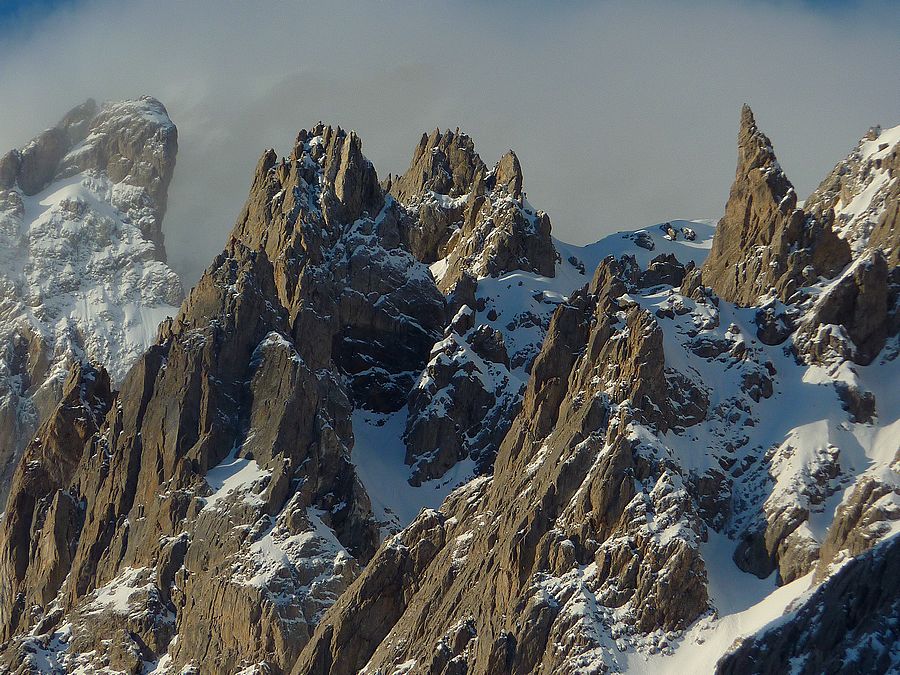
626	102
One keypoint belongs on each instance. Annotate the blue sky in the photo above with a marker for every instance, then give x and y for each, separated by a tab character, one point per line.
17	10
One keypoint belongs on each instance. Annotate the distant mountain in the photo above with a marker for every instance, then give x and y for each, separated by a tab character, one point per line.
397	427
82	263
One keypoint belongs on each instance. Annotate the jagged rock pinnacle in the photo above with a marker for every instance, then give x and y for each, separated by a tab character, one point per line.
764	242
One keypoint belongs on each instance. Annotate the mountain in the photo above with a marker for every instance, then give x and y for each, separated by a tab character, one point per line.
82	263
691	456
398	427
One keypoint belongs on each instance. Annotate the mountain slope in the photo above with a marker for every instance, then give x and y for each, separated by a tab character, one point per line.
671	448
82	267
651	454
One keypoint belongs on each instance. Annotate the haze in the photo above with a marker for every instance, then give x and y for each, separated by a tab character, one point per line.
623	116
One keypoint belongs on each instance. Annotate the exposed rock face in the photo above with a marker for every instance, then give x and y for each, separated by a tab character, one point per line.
571	489
474	219
464	401
849	320
847	626
217	496
886	234
43	517
471	223
764	242
544	570
863	193
865	517
630	441
82	273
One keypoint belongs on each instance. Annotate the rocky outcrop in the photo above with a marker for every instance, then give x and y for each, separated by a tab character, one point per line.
861	520
764	242
345	644
82	273
43	516
863	194
476	220
469	223
849	319
464	402
886	234
217	499
573	514
848	625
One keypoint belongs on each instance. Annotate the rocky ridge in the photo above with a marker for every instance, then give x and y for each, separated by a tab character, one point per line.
218	490
83	265
659	460
224	511
768	244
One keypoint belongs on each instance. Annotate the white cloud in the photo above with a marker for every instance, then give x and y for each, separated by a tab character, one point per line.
623	114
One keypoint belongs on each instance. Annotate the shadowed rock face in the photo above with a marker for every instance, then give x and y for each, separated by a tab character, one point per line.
476	223
849	625
764	242
296	320
863	194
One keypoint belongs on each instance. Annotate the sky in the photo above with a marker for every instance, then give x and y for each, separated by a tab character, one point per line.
624	114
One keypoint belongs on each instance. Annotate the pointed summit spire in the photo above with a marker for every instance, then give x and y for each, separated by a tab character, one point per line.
750	255
747	119
755	152
508	173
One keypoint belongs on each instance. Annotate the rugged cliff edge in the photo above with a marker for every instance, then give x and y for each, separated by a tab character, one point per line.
214	511
671	447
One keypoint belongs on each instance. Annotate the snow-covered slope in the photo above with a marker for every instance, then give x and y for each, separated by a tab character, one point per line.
518	306
861	187
82	269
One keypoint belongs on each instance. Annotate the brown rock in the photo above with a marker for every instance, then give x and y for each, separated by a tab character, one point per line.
569	488
858	302
764	242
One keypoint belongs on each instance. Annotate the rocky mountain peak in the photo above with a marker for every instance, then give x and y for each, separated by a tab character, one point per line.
755	152
507	175
475	221
82	272
862	193
764	243
444	163
338	459
132	142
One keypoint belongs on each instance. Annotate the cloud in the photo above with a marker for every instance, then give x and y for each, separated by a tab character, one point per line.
623	114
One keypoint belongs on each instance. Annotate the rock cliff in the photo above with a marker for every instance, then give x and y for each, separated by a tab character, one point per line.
765	243
658	461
